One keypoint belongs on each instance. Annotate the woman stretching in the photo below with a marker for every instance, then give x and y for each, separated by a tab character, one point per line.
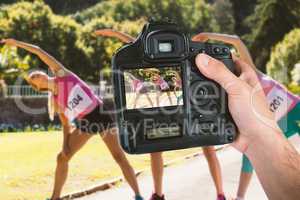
161	84
139	88
75	103
157	159
177	83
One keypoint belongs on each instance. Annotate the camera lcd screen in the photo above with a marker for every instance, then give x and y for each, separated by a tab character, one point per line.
153	87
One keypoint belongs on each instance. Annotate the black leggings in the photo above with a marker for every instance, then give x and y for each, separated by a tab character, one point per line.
98	120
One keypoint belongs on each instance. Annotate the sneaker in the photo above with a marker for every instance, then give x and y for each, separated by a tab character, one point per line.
221	197
157	197
138	197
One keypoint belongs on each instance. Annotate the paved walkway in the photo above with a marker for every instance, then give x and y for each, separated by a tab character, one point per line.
190	180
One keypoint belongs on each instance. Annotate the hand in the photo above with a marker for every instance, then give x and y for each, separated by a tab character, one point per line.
246	100
9	42
234	40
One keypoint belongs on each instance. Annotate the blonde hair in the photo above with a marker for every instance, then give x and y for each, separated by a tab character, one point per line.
51	109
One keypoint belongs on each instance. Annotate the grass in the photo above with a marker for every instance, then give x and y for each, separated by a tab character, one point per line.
27	164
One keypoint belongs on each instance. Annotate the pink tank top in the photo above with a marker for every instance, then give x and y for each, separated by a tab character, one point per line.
281	101
137	85
162	83
75	97
178	83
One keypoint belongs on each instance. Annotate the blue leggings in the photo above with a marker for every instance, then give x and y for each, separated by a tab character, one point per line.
246	165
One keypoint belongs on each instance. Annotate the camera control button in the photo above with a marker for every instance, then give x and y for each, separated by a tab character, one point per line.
225	50
217	50
202	50
192	49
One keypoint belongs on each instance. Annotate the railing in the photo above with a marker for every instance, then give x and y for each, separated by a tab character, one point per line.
23	91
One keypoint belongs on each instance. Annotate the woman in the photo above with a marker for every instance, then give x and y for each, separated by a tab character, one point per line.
139	87
75	103
157	159
177	82
161	84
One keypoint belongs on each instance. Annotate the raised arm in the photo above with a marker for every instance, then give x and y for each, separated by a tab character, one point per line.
113	33
52	63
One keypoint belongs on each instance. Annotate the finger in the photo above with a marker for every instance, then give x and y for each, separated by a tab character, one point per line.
234	40
218	72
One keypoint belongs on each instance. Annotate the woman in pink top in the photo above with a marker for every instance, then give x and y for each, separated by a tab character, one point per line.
139	88
75	103
162	85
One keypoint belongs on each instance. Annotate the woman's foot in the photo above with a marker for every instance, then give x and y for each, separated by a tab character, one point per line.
157	197
221	197
138	197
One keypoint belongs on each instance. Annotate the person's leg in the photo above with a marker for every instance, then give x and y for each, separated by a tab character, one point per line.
110	137
157	167
158	94
245	178
214	168
136	99
170	98
149	99
75	142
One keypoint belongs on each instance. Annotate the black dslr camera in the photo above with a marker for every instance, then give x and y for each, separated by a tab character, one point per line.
163	102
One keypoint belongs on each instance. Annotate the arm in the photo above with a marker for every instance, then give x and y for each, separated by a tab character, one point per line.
274	159
112	33
277	165
53	64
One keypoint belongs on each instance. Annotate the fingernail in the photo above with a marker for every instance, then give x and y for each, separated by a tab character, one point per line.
203	60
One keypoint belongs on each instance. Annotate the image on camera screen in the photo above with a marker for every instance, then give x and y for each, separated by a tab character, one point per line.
153	87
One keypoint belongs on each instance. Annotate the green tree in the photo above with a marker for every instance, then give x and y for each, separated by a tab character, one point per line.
296	74
35	23
241	10
101	49
271	20
223	16
191	16
284	57
11	65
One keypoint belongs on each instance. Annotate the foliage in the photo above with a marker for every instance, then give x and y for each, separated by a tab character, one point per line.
35	23
284	57
69	38
11	64
296	74
242	10
270	22
223	16
185	12
70	6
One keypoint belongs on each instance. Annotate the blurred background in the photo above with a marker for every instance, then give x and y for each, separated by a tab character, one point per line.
270	28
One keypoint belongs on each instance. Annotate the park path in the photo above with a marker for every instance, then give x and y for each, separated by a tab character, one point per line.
190	180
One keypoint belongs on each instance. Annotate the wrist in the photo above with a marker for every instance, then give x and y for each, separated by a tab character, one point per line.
262	139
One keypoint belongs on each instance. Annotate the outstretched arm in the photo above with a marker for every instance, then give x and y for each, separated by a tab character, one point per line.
112	33
53	64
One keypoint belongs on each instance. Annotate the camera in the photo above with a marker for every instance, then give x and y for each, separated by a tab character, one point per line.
163	102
